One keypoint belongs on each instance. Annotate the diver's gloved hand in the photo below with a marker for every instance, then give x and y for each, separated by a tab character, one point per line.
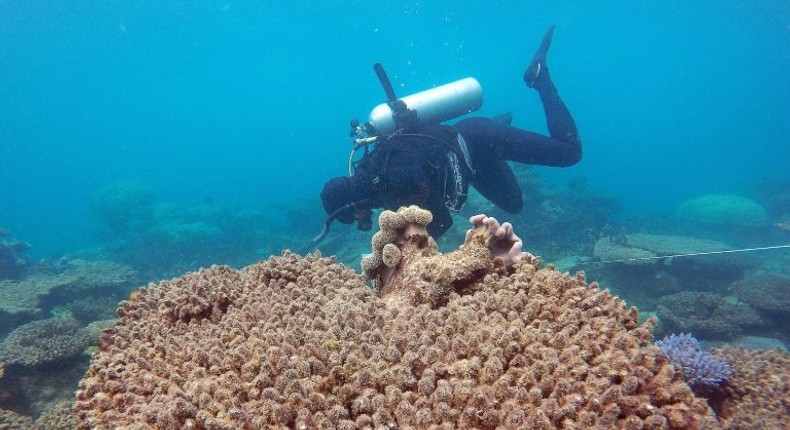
538	72
407	121
341	191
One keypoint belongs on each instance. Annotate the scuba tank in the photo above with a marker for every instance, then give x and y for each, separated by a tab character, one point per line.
431	106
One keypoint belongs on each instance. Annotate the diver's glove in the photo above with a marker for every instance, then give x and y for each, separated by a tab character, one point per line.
538	72
407	121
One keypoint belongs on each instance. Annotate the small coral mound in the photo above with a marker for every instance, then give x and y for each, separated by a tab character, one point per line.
702	371
770	297
44	341
707	315
758	394
13	421
302	342
58	417
767	294
723	210
611	250
25	300
643	249
125	207
13	258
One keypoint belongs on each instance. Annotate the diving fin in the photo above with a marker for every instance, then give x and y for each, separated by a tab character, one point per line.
537	66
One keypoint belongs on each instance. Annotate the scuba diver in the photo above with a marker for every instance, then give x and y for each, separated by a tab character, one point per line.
417	160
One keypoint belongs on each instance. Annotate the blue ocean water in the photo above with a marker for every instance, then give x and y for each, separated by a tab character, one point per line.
246	104
143	139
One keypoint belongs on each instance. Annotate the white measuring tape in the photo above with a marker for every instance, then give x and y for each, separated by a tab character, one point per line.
729	251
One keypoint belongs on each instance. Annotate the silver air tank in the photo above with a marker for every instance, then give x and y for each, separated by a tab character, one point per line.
432	106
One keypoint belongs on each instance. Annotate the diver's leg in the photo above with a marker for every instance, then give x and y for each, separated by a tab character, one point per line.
498	184
492	175
558	118
487	138
562	148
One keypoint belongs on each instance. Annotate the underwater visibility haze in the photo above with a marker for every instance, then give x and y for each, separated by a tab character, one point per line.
140	141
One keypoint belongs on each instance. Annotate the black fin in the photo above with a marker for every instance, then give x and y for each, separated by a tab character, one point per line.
538	63
543	49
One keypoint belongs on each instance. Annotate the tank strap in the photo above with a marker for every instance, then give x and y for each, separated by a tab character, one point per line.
464	150
459	166
456	185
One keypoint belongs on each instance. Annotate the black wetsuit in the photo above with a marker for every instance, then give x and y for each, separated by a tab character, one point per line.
416	167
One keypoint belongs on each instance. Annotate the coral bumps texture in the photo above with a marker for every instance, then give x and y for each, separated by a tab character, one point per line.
302	342
758	397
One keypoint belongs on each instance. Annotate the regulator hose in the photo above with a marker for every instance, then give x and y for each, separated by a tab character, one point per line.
359	204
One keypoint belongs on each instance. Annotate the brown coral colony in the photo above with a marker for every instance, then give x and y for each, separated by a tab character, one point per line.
477	338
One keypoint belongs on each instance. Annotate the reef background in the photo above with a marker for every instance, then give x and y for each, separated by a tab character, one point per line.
140	142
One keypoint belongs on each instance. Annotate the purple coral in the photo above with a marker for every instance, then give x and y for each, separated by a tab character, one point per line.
702	371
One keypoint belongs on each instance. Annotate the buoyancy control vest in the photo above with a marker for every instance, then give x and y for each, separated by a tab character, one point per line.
412	125
436	153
